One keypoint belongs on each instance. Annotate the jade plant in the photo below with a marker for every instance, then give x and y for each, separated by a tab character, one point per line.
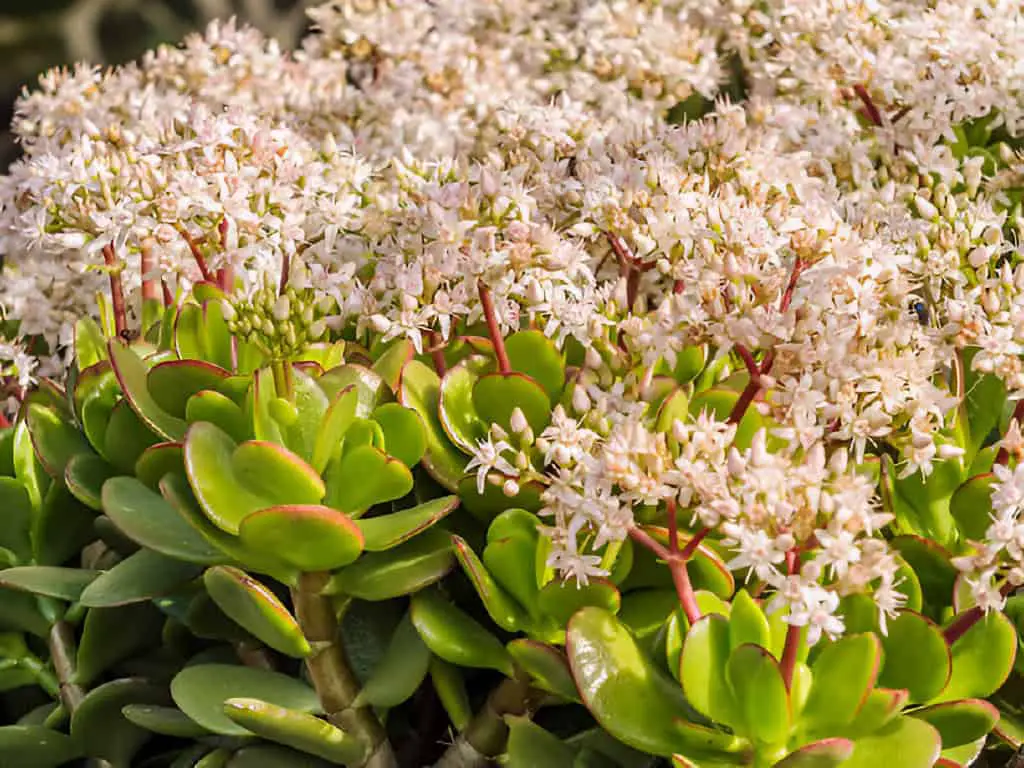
222	486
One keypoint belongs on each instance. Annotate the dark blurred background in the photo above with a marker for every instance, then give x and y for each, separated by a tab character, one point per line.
38	34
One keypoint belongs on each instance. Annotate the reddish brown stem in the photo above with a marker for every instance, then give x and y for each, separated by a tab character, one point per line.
677	286
116	293
870	110
676	565
437	353
225	279
286	265
197	254
491	318
1018	415
788	662
168	296
748	361
147	263
754	385
958	628
692	544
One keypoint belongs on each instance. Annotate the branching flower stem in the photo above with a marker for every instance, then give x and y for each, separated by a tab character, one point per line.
116	292
1018	415
757	373
197	254
675	559
792	643
491	318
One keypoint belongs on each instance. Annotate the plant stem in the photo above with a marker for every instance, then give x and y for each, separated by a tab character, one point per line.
676	565
333	679
487	734
959	626
197	254
754	385
116	293
437	353
487	302
150	287
788	662
286	266
1018	415
282	370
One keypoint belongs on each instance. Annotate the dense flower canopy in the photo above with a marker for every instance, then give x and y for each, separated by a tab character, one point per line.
834	243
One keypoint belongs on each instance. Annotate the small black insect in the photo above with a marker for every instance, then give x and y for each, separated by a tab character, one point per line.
130	334
920	309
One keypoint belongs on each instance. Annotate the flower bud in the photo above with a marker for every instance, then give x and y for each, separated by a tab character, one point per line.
518	421
510	488
925	208
580	399
282	309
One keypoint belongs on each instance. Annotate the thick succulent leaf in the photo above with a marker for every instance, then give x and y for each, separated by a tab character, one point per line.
982	658
371	390
16	518
125	436
400	670
904	741
90	344
453	635
405	437
409	567
420	390
386	531
971	506
172	382
451	690
20	611
132	375
166	721
63	526
98	725
295	423
50	581
917	657
881	706
175	488
84	477
158	460
255	608
368	476
844	673
268	756
142	576
308	537
533	353
703	670
110	635
200	691
298	730
217	408
145	517
629	696
36	746
456	413
560	599
959	722
232	481
392	360
747	622
337	419
931	564
497	395
501	606
819	754
547	666
761	696
55	438
530	746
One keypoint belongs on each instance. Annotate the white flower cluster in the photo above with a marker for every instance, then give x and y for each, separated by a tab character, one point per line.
835	242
